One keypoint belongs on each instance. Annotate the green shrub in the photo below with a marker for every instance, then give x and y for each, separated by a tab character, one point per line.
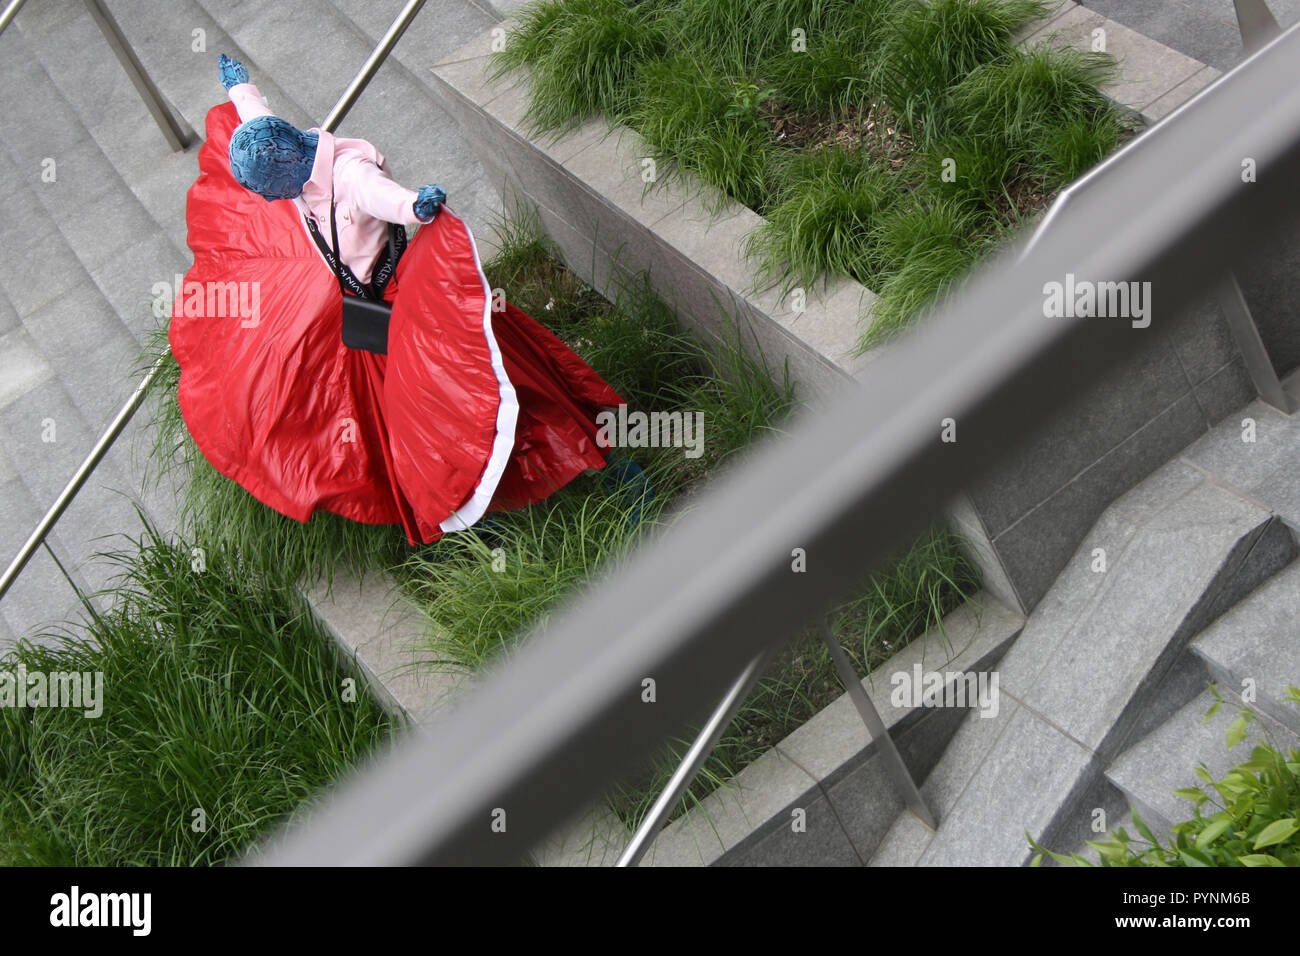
1251	819
1042	107
930	243
709	76
820	219
687	111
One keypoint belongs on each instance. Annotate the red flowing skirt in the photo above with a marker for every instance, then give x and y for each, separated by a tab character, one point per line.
472	410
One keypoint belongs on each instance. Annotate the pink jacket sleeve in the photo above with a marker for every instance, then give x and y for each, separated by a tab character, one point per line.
249	101
377	194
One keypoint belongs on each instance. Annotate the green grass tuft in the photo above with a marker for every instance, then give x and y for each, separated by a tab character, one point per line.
926	47
583	54
820	223
220	694
931	246
693	115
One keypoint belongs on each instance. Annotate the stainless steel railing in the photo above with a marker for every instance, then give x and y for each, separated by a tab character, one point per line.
550	728
1257	27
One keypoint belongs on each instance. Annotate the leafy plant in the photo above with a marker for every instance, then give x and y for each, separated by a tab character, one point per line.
745	101
1252	817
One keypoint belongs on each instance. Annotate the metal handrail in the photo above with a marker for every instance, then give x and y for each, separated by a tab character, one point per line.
692	760
1257	26
128	410
178	133
372	65
9	13
547	730
900	777
175	130
79	478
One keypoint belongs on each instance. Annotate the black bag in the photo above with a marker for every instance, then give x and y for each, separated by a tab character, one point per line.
365	313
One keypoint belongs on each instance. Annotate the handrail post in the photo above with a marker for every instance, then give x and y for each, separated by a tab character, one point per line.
176	131
690	766
371	66
1256	24
895	768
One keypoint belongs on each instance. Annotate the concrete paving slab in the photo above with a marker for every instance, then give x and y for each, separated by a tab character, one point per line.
1078	585
91	348
1245	448
1198	29
1090	682
127	282
1017	788
22	366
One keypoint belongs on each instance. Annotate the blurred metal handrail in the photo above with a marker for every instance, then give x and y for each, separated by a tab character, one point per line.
1258	28
546	731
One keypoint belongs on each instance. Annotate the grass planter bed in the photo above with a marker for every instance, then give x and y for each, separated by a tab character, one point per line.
885	141
1024	522
223	715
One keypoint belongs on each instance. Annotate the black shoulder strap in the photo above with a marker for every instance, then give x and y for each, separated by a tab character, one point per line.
348	282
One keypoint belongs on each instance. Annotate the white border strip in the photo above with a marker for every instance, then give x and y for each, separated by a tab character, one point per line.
507	417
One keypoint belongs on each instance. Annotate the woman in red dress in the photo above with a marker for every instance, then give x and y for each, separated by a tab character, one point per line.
474	408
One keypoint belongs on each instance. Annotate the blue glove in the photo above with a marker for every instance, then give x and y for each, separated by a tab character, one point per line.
428	201
232	71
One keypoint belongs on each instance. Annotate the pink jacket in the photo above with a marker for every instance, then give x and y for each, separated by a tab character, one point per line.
366	197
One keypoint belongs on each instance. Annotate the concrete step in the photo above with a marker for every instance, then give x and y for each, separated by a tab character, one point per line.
55	155
1163	761
1102	648
829	767
1204	29
1254	649
134	165
40	598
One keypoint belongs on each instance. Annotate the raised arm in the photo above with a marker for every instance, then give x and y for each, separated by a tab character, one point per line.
247	98
378	195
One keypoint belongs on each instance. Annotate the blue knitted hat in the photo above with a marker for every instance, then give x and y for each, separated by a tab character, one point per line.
271	157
